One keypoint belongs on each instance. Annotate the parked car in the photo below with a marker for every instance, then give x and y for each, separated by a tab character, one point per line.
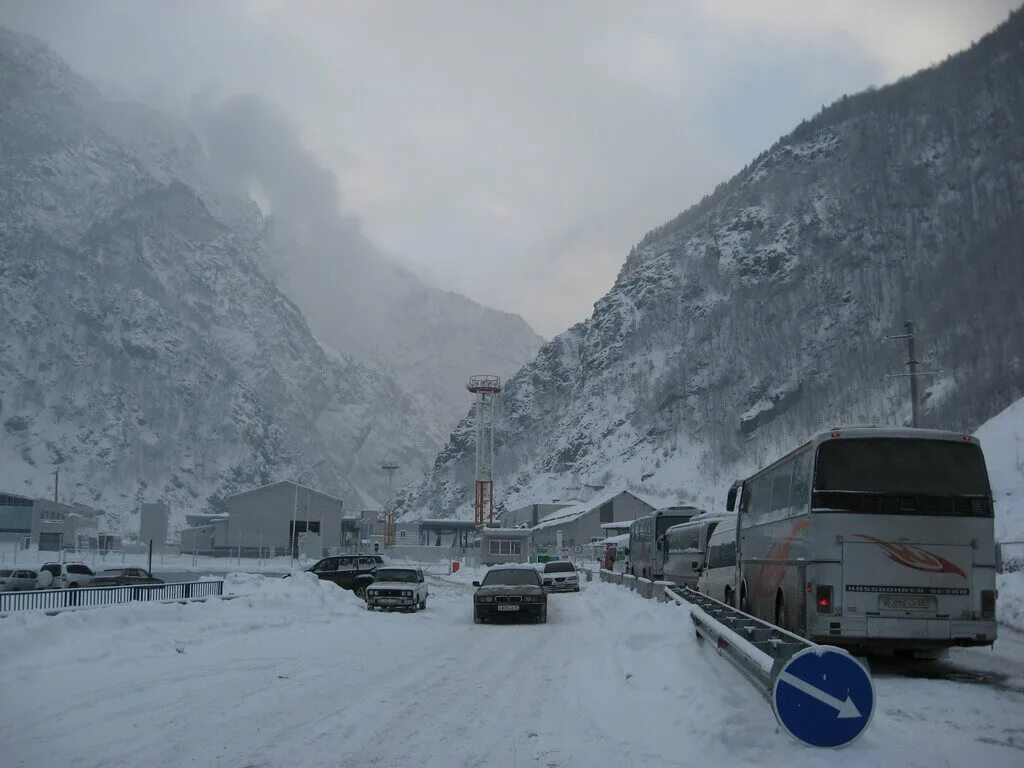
64	575
718	579
119	577
16	580
561	576
355	572
392	587
510	591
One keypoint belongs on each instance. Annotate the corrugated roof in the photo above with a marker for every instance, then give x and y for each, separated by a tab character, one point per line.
569	514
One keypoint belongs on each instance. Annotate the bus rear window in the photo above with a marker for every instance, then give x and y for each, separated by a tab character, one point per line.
906	466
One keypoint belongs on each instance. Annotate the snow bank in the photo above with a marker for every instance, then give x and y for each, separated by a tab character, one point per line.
1010	606
1002	438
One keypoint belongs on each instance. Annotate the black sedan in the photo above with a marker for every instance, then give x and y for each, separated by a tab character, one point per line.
511	591
120	577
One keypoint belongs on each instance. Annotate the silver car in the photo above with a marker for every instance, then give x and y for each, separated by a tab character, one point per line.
17	579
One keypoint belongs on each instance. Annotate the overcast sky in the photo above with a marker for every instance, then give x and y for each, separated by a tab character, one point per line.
514	151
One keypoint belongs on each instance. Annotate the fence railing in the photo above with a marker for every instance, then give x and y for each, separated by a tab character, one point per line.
57	599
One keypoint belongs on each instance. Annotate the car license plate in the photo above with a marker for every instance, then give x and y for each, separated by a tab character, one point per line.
390	600
901	603
508	607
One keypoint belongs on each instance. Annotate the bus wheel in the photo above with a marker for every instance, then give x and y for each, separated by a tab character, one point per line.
781	614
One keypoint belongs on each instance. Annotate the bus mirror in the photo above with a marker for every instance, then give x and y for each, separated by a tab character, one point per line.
730	500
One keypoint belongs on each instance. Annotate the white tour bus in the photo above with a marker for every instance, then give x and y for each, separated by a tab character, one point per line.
718	579
873	538
686	547
646	556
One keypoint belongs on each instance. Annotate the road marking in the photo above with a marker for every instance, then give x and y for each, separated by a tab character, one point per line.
846	709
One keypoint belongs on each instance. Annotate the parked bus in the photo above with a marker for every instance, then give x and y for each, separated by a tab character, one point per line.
685	547
646	556
872	538
718	579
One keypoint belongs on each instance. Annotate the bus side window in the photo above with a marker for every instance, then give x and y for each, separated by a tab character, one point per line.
781	477
801	488
760	497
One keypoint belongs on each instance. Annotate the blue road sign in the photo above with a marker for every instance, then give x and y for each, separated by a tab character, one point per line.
824	697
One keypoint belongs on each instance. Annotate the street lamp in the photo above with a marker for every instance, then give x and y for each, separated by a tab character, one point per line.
294	539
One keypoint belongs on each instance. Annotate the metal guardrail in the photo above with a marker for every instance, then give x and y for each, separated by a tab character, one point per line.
755	647
82	597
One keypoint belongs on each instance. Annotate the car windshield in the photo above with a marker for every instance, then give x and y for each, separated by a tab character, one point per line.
511	577
397	574
558	567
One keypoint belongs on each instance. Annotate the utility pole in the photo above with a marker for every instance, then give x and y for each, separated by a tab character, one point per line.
912	371
56	482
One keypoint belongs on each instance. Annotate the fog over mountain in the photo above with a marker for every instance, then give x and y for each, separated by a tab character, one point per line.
151	349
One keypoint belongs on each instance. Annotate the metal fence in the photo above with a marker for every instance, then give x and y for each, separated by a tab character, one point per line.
57	599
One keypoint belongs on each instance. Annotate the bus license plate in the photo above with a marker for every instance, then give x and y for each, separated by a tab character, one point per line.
508	607
901	603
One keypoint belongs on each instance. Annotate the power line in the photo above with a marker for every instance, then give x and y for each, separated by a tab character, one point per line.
913	373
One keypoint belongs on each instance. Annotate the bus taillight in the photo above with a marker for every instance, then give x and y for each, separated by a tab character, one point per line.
824	598
988	603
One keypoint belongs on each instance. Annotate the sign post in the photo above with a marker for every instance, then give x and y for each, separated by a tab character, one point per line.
823	697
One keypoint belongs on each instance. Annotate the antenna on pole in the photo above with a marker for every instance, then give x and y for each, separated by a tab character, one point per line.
390	466
913	372
486	389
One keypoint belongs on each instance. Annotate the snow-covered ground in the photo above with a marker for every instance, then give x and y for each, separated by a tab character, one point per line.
1002	439
297	672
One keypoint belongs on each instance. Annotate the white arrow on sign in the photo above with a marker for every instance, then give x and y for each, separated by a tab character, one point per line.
846	709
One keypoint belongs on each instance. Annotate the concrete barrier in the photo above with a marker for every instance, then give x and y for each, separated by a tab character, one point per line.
660	591
645	587
629	582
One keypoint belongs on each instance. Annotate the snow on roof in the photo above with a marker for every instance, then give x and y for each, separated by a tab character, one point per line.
521	532
570	514
284	482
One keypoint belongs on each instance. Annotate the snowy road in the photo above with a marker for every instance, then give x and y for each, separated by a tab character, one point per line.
298	673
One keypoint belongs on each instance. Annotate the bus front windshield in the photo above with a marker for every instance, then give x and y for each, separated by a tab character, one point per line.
906	466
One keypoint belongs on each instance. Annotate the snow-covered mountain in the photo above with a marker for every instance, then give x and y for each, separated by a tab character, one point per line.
755	317
144	350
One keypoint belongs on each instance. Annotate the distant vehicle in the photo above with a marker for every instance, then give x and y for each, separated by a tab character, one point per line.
354	572
403	588
17	580
719	575
120	577
510	591
560	576
64	575
872	538
646	557
685	548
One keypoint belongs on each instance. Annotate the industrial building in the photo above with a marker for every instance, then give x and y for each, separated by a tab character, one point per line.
275	519
47	524
580	524
532	514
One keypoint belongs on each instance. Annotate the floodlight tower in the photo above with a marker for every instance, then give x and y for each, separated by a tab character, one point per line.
486	389
390	466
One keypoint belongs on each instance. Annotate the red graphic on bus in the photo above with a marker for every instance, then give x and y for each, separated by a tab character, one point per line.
770	577
915	557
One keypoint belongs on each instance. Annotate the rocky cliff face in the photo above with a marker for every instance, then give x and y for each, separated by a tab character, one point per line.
144	351
756	317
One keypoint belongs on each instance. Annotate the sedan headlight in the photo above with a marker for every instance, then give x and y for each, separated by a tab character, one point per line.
484	599
573	578
406	593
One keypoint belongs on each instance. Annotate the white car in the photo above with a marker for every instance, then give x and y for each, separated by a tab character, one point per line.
64	576
16	580
395	587
560	576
